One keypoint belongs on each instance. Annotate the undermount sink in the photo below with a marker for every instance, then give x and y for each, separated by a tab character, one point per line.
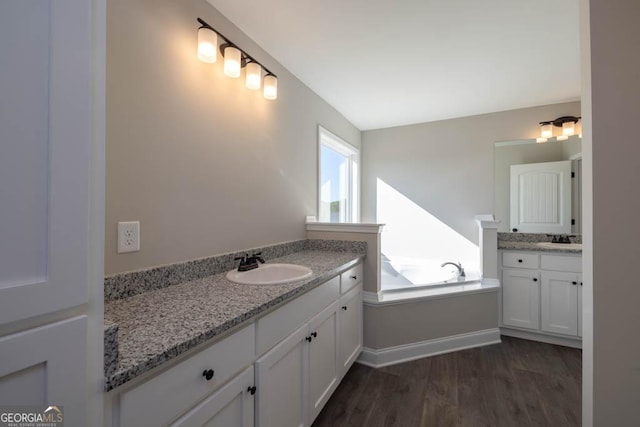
270	274
559	245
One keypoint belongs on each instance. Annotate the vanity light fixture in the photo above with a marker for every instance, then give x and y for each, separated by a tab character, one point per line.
234	60
567	123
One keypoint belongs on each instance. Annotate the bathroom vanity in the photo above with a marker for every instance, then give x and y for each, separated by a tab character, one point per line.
541	292
276	365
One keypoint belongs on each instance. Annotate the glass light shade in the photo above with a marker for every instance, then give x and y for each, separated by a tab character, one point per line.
562	137
541	140
546	130
207	45
568	128
270	87
254	76
232	61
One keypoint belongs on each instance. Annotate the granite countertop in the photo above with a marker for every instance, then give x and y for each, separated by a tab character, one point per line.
158	325
533	246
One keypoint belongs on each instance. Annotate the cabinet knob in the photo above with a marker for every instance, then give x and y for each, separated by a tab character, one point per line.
252	390
344	307
314	334
308	339
580	283
535	279
354	277
208	374
520	260
574	283
515	230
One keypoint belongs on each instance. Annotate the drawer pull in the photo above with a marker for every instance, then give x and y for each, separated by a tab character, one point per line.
314	334
252	390
354	277
520	261
574	283
535	279
308	339
208	374
344	307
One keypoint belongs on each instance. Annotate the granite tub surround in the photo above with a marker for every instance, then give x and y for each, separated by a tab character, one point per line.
123	285
160	324
528	242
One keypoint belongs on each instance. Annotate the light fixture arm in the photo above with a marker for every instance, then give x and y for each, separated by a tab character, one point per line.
245	57
561	120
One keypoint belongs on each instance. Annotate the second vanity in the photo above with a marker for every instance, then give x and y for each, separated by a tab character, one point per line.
284	352
541	291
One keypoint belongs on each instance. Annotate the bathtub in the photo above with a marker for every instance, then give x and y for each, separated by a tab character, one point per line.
400	273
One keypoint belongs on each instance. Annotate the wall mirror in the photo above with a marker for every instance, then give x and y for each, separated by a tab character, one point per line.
535	172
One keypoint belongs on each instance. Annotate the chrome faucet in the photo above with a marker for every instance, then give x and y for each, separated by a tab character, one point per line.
458	266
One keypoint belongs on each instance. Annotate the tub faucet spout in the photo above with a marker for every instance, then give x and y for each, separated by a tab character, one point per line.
458	266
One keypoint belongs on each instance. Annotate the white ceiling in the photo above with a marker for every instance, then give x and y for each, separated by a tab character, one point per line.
384	63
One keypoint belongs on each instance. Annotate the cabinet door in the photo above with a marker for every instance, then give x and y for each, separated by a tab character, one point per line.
47	366
46	134
541	197
521	298
282	384
350	323
580	306
323	358
231	406
559	305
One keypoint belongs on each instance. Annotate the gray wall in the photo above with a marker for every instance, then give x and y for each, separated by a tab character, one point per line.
612	91
392	325
446	167
206	165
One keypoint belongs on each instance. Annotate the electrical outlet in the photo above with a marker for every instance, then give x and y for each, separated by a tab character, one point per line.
128	236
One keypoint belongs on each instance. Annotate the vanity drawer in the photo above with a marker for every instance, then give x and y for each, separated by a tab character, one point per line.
277	325
561	263
519	260
350	278
157	401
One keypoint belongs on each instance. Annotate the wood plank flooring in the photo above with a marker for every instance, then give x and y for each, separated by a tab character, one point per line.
517	383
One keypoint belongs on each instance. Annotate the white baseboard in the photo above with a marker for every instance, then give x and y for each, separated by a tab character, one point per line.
404	353
549	339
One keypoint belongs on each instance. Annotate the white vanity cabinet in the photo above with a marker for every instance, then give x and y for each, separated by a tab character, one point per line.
296	377
279	370
542	294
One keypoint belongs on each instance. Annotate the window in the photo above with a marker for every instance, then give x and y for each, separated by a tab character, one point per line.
339	179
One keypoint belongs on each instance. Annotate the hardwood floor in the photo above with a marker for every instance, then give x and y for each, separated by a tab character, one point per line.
516	383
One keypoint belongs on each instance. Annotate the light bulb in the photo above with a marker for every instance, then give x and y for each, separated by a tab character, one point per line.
541	140
568	128
254	76
562	137
546	130
232	61
270	87
207	45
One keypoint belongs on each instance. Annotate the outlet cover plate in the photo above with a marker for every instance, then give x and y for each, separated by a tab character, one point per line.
128	236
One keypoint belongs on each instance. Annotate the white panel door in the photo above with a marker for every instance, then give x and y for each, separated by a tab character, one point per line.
541	197
521	298
559	305
281	380
47	366
324	366
45	136
350	323
231	406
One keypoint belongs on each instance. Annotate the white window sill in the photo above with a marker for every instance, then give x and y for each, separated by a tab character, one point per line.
345	227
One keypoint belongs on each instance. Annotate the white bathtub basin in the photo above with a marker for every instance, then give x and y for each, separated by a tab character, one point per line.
270	274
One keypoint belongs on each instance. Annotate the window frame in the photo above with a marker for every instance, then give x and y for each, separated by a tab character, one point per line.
334	142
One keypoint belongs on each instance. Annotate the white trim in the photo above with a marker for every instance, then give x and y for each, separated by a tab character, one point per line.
345	227
487	221
437	292
542	337
404	353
